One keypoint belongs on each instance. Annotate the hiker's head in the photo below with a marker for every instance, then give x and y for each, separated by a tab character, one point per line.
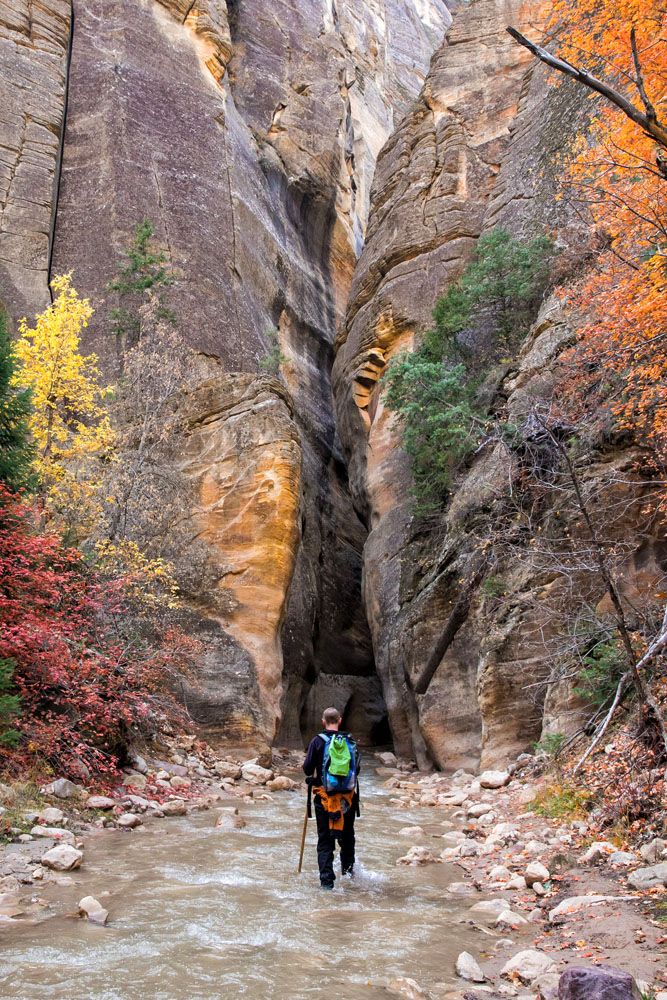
331	718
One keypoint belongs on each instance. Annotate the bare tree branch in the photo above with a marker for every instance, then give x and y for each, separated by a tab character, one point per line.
641	87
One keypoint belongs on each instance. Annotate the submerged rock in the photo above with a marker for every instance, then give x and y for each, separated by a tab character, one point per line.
93	910
418	856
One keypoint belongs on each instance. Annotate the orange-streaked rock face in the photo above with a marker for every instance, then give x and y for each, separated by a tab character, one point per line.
243	456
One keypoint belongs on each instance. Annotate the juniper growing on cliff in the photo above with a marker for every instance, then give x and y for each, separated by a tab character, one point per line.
16	454
146	270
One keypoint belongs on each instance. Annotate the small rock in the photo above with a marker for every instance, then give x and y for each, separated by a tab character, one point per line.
388	758
528	965
418	856
227	769
281	783
600	849
536	872
174	807
653	851
135	780
575	903
538	889
516	882
499	874
411	831
452	799
490	907
406	988
649	878
255	773
93	910
63	858
621	859
510	919
468	968
606	983
100	802
230	820
129	821
53	833
62	788
178	781
139	764
478	809
51	816
494	779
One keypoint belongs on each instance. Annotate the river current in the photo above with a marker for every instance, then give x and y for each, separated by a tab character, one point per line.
198	913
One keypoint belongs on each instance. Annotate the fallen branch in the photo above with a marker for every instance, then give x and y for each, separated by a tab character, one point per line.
623	686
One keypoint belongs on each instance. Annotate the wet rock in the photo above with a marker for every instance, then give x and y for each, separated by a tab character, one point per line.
63	858
411	831
469	849
653	851
100	802
281	783
51	816
528	965
597	851
649	878
129	821
406	988
53	833
468	968
229	819
490	907
536	872
255	773
605	983
62	788
494	779
418	856
93	910
174	807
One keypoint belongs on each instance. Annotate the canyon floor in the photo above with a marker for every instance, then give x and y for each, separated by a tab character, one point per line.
183	884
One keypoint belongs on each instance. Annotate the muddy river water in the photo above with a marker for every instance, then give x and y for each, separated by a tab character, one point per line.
198	913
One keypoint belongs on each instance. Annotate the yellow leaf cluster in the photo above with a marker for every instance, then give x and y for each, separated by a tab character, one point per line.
149	581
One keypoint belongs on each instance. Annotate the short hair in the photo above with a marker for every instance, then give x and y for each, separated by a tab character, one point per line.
331	716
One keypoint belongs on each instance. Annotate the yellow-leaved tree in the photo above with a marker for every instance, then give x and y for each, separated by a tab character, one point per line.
69	422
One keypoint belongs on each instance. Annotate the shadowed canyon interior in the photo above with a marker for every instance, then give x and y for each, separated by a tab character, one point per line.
319	168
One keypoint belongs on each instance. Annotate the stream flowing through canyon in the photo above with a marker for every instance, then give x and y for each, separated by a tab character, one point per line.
197	912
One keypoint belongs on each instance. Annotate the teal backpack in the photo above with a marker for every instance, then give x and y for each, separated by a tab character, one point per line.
340	765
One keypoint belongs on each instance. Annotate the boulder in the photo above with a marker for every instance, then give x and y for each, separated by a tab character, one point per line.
93	910
418	856
53	833
63	858
653	851
536	872
528	965
62	788
510	919
100	802
129	821
649	878
468	968
606	983
622	859
494	779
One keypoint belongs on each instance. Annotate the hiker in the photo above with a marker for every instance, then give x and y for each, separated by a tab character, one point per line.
332	769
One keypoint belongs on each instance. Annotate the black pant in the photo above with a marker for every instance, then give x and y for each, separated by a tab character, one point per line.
326	843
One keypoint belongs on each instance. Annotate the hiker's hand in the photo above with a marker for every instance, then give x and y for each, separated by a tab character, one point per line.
311	780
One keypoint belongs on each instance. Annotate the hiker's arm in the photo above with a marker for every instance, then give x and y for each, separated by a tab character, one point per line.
310	762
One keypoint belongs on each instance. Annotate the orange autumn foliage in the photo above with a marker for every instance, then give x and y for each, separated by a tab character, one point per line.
620	362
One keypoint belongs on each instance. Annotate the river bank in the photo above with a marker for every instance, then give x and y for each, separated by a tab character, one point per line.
195	876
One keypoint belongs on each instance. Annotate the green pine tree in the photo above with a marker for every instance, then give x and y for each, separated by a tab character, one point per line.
10	705
15	449
146	269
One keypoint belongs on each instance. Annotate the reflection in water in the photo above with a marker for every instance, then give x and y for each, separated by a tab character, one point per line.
198	913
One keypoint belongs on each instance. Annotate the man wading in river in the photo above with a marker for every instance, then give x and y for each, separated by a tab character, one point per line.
332	769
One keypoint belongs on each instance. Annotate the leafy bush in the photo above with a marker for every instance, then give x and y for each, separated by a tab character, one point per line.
16	453
146	269
274	358
481	317
602	670
563	801
550	744
10	704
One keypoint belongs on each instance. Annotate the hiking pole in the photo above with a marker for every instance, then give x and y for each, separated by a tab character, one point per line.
303	840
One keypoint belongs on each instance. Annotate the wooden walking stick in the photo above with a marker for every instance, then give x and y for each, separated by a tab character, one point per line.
303	840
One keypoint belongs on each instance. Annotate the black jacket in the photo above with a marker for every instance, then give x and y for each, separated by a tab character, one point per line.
312	765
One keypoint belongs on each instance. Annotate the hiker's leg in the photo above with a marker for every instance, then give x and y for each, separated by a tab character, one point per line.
346	841
325	845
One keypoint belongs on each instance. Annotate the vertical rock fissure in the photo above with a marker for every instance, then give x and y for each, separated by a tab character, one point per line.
61	149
